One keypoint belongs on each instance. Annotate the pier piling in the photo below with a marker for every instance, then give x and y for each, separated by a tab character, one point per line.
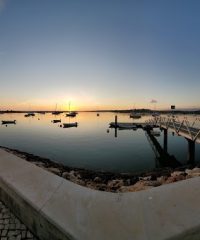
191	151
165	145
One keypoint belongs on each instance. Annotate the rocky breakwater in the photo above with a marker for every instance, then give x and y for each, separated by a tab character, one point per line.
112	182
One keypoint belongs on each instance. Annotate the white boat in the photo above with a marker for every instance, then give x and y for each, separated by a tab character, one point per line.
135	115
68	125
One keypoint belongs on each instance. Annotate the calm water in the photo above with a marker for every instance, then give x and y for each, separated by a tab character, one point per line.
89	145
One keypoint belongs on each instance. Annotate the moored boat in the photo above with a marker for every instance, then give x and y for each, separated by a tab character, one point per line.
56	113
56	121
68	125
29	115
135	115
8	122
71	114
155	115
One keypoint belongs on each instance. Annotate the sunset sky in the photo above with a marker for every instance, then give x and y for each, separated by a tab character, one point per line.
99	54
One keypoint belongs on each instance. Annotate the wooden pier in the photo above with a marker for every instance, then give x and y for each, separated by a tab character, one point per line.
131	125
184	129
181	128
164	159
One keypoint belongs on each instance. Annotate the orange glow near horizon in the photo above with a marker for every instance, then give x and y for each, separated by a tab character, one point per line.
81	107
84	102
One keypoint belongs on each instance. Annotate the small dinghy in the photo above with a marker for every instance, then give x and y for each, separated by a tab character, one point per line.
56	121
68	125
56	113
29	115
8	122
135	115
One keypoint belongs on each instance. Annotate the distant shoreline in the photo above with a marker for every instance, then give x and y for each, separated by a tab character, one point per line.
145	111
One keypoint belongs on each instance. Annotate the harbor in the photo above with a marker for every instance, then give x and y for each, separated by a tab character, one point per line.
118	146
99	120
180	128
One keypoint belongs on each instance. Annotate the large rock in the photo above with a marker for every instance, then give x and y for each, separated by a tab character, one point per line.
72	176
39	164
188	171
178	173
148	178
162	179
97	179
196	170
66	175
54	170
115	183
140	185
194	174
152	183
170	180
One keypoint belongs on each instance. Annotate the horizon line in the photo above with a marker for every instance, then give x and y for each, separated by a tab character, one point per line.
106	110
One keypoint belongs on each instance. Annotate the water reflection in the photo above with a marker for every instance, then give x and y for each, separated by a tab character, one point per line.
90	145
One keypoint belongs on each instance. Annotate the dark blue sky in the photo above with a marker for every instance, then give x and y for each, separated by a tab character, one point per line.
107	53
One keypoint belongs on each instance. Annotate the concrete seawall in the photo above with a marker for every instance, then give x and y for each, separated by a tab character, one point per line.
54	208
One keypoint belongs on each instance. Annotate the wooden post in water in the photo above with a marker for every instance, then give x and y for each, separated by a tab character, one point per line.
191	151
116	126
116	121
165	140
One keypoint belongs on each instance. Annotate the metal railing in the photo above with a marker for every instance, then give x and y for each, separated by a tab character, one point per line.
184	127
